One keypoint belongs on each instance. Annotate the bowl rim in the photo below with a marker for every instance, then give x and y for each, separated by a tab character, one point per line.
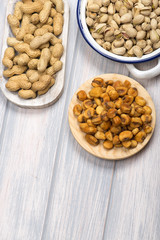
94	45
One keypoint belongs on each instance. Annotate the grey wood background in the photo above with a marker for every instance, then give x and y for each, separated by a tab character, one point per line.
51	189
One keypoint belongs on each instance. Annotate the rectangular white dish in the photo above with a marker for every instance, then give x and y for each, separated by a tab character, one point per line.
56	90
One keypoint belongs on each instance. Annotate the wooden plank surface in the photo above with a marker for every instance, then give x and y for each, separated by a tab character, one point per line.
50	188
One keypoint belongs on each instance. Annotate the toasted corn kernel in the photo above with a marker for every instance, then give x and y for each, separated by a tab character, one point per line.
147	110
118	102
147	129
91	140
88	113
112	113
99	110
105	125
128	99
139	109
108	145
100	129
125	108
109	82
132	112
98	82
117	84
115	130
113	95
85	128
146	118
119	112
81	118
133	143
104	116
87	104
127	84
133	92
140	136
90	124
96	92
136	122
116	140
96	120
127	144
125	119
105	97
140	101
100	135
125	136
109	136
77	110
81	95
108	105
121	91
135	131
98	101
118	145
116	121
109	88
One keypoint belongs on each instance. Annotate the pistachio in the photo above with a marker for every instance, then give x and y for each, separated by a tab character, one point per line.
154	24
105	2
126	18
111	9
128	44
103	10
146	2
154	36
93	7
118	5
89	21
99	2
155	4
119	51
100	28
117	18
141	35
118	43
107	45
148	49
123	10
146	26
141	43
103	18
131	32
138	19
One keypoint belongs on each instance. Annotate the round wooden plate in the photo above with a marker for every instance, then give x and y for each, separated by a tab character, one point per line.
100	151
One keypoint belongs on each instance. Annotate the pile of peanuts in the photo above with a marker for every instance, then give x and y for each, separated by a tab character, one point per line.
33	56
113	112
128	28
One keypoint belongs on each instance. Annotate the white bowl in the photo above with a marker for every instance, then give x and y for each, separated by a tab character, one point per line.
81	18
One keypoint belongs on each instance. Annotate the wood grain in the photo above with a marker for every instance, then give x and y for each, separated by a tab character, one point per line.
99	151
54	92
51	188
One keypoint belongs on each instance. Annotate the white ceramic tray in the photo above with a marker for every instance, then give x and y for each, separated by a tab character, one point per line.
55	92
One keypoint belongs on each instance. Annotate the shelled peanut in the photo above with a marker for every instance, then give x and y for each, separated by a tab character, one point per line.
125	27
113	113
33	56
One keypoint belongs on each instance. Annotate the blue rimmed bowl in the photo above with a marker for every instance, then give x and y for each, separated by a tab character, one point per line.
81	19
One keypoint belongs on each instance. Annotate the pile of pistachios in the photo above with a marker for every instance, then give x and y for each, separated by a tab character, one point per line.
128	28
